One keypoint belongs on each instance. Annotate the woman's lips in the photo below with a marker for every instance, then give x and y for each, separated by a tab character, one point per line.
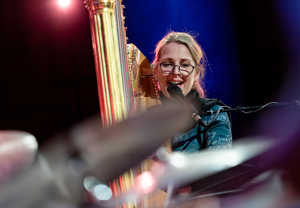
176	82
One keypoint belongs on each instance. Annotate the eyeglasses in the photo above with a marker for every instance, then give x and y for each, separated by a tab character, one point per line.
184	69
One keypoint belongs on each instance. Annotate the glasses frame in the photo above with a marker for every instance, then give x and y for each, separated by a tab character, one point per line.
179	68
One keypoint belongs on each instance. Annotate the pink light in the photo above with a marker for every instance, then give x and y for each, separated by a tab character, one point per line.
146	182
63	3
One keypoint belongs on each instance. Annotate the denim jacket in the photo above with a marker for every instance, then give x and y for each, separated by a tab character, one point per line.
211	132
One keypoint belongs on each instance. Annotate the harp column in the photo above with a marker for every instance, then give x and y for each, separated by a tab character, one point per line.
109	47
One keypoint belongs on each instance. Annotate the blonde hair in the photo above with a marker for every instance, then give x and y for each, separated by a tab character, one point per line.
195	50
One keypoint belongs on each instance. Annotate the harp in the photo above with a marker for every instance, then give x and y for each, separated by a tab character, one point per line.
124	75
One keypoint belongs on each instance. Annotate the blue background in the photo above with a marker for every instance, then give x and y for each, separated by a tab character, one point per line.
209	21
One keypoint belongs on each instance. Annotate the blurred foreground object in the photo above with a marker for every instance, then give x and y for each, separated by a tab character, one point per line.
17	151
179	169
56	177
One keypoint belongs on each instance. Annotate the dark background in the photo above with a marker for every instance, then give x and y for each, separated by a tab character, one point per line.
47	76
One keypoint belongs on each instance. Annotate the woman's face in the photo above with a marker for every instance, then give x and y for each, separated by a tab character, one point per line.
176	54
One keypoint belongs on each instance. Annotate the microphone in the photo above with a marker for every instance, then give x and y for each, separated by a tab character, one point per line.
174	91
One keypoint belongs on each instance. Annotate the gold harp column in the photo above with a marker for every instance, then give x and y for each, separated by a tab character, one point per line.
108	39
124	76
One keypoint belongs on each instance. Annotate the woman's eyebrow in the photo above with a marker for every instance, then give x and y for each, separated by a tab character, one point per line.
181	60
185	59
167	59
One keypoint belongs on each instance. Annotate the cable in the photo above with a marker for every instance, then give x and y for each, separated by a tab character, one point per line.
253	109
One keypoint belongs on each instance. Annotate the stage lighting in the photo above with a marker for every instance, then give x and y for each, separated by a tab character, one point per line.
146	182
64	3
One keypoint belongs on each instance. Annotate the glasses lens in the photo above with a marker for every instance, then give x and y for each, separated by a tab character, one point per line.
186	69
166	67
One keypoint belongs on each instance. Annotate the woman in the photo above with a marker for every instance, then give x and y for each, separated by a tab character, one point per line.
179	63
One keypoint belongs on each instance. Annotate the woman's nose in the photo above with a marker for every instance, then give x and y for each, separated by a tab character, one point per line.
176	69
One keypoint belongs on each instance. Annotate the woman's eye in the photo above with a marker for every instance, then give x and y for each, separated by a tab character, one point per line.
185	65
